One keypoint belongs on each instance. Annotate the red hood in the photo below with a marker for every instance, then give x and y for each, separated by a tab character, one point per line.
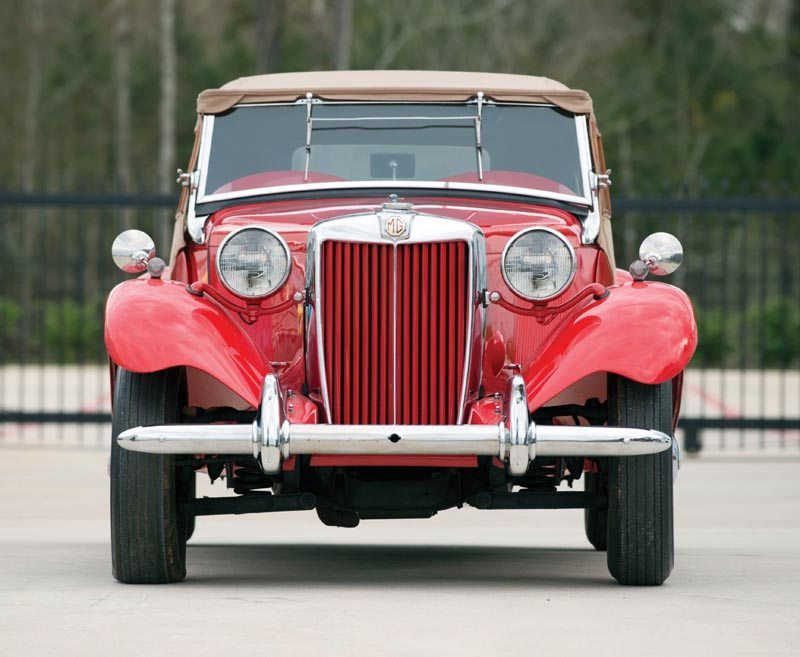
498	220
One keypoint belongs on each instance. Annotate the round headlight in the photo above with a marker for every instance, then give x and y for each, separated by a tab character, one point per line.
538	263
253	262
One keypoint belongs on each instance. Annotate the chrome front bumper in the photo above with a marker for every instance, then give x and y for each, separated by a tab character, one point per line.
272	438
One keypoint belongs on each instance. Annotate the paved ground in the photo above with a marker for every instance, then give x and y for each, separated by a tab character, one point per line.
464	583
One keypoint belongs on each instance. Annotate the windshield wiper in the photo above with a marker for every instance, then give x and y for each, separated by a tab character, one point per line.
310	119
478	146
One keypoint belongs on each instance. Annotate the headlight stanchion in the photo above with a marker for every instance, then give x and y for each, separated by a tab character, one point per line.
249	310
543	312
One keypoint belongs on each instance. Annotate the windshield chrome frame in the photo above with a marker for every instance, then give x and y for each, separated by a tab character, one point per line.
591	223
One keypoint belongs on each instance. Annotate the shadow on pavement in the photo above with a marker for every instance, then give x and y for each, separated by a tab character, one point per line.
383	565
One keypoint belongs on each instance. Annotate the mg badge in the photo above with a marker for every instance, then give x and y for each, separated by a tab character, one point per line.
395	226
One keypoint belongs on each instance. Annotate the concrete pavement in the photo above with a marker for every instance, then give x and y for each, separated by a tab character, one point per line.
465	582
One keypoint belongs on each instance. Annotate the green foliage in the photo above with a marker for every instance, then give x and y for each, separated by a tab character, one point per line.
685	91
73	330
10	316
775	326
65	331
766	335
714	338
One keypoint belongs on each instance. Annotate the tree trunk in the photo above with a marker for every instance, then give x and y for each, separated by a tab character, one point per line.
122	94
30	235
122	100
317	34
31	138
268	34
344	34
166	144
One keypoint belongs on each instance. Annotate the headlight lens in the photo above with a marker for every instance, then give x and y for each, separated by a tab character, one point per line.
253	262
538	264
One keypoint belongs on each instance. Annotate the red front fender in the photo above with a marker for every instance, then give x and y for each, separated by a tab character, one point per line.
152	325
642	331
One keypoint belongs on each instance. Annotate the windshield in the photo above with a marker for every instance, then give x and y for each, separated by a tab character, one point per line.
533	147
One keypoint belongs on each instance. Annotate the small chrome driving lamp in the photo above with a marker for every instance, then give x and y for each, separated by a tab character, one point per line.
660	254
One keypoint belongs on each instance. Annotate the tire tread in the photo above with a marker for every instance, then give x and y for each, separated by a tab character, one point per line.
147	534
640	515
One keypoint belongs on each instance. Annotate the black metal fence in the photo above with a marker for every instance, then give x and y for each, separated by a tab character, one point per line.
741	269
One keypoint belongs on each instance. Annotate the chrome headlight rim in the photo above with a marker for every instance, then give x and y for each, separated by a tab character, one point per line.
570	249
281	242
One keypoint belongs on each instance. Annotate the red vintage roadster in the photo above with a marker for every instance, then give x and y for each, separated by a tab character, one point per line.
392	293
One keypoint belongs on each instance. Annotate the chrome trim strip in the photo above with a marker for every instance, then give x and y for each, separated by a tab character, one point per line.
204	154
313	255
545	229
281	241
394	326
309	127
478	125
195	225
400	185
585	155
356	119
591	224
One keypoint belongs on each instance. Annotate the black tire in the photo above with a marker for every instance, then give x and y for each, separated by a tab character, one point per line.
595	521
148	531
192	493
640	525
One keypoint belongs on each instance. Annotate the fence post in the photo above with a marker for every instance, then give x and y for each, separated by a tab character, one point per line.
691	440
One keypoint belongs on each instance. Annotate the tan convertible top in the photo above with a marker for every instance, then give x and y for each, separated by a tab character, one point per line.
392	86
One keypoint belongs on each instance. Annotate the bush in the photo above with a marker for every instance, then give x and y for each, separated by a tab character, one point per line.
10	316
714	337
775	329
73	331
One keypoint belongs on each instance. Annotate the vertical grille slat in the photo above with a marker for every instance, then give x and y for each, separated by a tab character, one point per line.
363	324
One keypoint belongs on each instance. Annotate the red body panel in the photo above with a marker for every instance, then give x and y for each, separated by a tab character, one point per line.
152	325
643	331
380	461
280	337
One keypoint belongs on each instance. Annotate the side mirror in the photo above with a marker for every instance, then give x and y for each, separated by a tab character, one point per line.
660	253
132	250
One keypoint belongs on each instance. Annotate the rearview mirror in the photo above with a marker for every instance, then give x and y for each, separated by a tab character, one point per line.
132	250
662	253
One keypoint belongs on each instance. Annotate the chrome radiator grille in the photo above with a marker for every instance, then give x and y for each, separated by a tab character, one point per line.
395	325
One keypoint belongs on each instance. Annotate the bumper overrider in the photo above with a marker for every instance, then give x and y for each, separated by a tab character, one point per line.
517	441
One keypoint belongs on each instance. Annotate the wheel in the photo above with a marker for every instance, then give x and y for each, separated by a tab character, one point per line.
148	530
640	527
595	521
